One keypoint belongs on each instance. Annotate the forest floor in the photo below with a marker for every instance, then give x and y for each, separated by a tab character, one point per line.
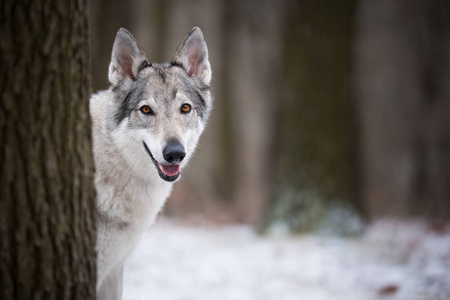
391	260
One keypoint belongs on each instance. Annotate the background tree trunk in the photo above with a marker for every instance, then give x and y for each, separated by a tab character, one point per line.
316	161
253	52
403	75
47	195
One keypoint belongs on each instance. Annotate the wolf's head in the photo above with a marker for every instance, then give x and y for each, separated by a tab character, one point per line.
158	111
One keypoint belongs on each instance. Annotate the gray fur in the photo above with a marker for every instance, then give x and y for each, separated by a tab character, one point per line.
133	179
162	81
111	221
112	287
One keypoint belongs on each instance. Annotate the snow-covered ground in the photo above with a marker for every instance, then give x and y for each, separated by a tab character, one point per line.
392	260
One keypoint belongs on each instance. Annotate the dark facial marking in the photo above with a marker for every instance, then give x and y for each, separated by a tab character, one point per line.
122	111
200	104
144	65
162	75
129	103
176	64
195	96
174	93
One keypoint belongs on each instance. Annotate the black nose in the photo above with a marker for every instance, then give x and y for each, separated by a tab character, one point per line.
174	152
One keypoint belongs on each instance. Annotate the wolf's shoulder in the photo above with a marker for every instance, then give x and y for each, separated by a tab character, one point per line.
100	97
98	102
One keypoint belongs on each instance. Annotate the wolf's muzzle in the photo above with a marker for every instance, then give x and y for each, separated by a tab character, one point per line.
168	172
174	152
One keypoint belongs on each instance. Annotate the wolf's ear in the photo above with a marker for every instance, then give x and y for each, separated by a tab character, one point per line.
126	59
192	55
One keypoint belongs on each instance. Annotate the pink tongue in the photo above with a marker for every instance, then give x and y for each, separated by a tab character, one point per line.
170	170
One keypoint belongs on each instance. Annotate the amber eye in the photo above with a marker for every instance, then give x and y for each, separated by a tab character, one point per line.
146	110
185	108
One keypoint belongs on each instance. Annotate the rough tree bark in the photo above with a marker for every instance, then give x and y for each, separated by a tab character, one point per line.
47	241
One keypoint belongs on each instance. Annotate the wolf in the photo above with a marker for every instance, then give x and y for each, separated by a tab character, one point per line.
145	128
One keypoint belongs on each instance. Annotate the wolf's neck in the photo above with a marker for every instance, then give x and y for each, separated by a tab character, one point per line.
123	194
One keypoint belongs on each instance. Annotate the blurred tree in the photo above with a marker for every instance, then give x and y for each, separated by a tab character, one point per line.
253	78
107	17
316	160
403	72
47	226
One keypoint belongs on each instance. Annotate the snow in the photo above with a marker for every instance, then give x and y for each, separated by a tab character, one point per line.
392	260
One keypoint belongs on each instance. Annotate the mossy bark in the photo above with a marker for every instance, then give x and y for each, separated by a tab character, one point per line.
47	197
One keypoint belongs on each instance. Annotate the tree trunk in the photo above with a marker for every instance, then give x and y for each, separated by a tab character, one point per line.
107	17
47	221
403	68
253	81
316	159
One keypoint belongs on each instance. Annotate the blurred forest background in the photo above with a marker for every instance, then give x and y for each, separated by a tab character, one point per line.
327	113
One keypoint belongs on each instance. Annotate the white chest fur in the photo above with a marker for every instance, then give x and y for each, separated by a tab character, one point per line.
126	206
123	216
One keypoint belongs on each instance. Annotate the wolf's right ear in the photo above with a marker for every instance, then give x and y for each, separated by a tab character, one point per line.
126	59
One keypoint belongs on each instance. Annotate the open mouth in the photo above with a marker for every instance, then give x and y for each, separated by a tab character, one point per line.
167	172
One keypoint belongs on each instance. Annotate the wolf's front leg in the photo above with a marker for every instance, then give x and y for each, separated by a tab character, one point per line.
111	288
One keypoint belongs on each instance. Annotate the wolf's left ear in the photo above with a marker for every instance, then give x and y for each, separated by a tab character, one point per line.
126	59
192	55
